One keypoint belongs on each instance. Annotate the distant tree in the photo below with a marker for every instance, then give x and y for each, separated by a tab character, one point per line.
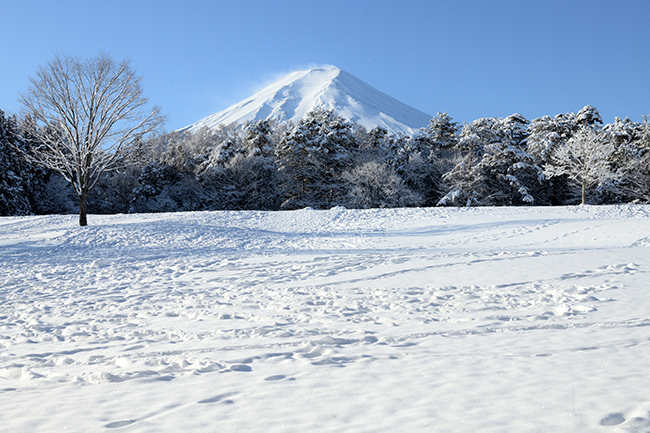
464	181
114	192
586	159
644	140
546	133
89	114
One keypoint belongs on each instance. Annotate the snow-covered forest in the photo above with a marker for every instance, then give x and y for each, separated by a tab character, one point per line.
324	161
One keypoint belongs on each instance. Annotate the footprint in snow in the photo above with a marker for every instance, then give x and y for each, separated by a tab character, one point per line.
237	367
119	424
613	419
223	398
275	378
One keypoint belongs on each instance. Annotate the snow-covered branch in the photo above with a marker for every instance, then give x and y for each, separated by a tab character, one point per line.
89	113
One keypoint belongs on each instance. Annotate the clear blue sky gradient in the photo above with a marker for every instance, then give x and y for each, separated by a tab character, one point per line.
469	58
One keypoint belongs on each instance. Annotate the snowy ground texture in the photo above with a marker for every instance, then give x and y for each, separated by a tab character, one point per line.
487	319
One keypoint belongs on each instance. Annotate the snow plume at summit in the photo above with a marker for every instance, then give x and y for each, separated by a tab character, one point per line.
328	88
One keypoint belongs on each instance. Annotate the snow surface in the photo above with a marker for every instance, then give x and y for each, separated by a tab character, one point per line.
330	88
419	320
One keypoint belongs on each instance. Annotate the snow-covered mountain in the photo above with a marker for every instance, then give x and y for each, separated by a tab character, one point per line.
330	88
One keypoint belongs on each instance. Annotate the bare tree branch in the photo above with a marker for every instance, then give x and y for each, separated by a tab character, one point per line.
89	113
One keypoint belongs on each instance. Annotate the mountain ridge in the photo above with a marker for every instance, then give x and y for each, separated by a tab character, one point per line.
330	88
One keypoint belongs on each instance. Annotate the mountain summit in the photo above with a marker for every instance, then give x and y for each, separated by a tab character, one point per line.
329	88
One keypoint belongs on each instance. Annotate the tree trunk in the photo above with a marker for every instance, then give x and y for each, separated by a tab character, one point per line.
83	208
584	195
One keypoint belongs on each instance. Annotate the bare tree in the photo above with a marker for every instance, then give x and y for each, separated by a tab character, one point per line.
90	113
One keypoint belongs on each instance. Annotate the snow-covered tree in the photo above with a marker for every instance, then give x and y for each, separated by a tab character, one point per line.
376	144
630	160
113	193
546	133
89	112
585	159
311	158
441	133
492	166
167	182
25	188
588	116
644	139
258	139
13	191
243	175
419	162
375	184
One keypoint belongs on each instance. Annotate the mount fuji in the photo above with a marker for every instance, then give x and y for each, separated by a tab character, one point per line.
329	88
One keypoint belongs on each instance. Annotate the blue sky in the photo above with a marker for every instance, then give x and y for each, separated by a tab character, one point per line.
469	58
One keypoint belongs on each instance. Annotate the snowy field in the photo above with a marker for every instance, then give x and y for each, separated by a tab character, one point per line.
411	320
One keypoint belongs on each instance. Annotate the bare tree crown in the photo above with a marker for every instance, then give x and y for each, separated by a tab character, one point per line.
89	112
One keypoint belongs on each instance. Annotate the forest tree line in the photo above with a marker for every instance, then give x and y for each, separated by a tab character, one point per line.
324	161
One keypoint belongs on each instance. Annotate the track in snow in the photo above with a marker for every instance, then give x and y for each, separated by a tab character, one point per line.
436	314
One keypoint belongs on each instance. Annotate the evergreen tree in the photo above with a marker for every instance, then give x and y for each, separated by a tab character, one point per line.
441	134
167	183
258	139
25	188
242	174
311	158
13	191
588	116
491	166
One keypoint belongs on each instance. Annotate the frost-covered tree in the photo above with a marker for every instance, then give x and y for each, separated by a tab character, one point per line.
168	182
375	184
113	193
546	133
90	112
630	160
311	158
419	163
376	144
644	139
241	173
492	166
586	159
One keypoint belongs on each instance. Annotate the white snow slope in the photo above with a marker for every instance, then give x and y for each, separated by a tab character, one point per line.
330	88
418	320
